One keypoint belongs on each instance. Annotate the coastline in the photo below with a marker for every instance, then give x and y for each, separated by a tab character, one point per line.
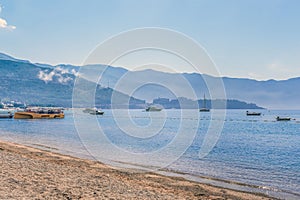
28	172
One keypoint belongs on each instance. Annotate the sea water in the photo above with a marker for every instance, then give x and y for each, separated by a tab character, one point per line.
250	151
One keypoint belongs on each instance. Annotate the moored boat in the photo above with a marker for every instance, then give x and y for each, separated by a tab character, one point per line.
253	113
93	111
283	118
40	113
153	109
204	108
4	113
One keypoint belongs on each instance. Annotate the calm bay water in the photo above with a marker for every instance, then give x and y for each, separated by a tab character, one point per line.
254	150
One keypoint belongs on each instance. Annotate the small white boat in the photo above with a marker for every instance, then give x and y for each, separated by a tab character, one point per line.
93	111
4	113
153	109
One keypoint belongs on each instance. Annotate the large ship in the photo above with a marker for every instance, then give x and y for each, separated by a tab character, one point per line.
40	113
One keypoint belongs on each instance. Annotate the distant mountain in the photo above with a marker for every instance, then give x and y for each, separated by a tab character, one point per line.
39	85
270	94
46	84
7	57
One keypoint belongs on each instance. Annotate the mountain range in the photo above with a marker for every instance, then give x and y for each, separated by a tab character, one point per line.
270	94
53	85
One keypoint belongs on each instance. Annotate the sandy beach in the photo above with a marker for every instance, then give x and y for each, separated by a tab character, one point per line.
29	173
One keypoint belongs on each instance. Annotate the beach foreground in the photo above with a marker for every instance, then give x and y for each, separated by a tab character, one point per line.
29	173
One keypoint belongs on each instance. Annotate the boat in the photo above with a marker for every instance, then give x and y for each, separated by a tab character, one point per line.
253	113
204	108
4	113
39	113
153	108
96	112
283	118
93	111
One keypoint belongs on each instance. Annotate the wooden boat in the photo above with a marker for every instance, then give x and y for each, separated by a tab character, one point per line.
204	108
153	108
5	113
40	113
283	118
253	113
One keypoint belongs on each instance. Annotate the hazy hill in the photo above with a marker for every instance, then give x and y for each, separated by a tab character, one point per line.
7	57
40	85
271	94
46	84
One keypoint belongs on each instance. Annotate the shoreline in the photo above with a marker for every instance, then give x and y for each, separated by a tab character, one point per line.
28	172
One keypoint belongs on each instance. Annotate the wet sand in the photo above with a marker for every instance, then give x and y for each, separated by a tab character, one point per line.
29	173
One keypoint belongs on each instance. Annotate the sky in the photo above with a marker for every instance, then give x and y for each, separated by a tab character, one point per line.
257	39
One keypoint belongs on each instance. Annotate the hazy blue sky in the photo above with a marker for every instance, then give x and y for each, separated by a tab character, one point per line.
256	39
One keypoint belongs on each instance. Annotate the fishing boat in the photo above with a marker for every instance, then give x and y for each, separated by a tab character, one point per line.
283	118
40	113
153	108
253	113
93	111
204	108
4	113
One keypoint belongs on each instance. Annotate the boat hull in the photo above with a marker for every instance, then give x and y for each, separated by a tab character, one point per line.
32	115
283	119
93	111
204	110
152	109
6	115
97	113
253	114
